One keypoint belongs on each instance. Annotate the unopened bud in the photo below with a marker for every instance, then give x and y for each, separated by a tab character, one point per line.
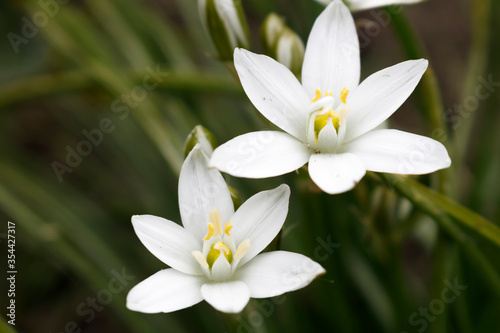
204	137
226	23
271	29
282	44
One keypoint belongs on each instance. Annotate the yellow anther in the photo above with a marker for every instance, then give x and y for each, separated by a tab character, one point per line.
228	228
343	95
329	93
318	96
210	231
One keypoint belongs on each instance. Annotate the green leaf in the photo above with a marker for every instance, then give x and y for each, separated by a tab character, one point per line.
438	206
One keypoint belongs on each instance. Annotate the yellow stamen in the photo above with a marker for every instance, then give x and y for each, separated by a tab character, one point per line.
242	250
200	259
343	95
228	228
318	96
329	93
216	221
210	231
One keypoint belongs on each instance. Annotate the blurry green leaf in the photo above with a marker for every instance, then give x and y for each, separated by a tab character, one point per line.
437	205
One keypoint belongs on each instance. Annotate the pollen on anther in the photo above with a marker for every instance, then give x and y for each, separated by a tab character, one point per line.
318	96
343	95
228	228
210	232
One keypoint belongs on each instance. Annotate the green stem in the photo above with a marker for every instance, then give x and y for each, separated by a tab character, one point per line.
427	94
476	66
441	208
46	85
53	242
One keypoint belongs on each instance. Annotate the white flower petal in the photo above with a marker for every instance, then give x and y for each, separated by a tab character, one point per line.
165	291
260	155
168	241
274	91
221	269
200	190
380	95
331	61
327	138
356	5
229	297
260	219
274	273
336	173
399	152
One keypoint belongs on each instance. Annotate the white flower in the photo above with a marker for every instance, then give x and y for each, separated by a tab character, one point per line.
215	257
356	5
330	120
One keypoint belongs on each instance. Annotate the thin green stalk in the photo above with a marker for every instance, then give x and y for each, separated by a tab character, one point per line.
443	261
120	33
427	94
462	308
77	81
441	208
165	35
481	16
51	241
69	222
110	77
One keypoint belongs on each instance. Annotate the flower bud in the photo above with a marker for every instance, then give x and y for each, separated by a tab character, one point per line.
226	23
271	29
204	137
282	44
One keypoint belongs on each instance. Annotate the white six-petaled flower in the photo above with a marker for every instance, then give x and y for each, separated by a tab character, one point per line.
215	256
330	119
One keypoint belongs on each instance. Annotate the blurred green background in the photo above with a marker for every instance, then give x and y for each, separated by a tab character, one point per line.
75	71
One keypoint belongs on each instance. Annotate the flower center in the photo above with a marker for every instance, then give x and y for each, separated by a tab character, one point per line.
322	117
216	250
219	241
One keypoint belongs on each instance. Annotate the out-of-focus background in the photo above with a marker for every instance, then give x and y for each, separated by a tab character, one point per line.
96	101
